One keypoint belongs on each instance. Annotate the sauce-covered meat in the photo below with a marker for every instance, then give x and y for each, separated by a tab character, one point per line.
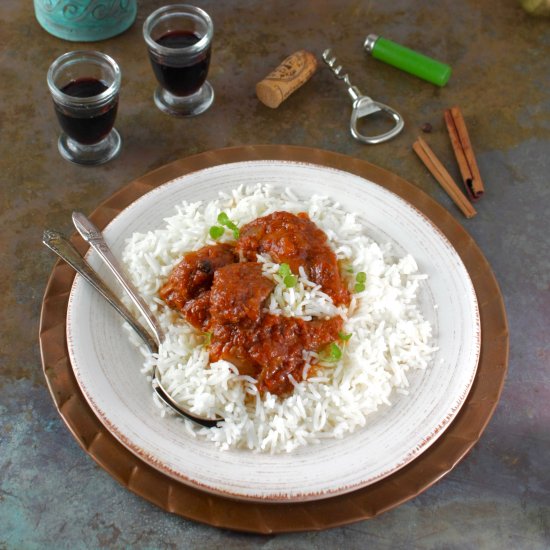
297	241
268	347
227	298
197	310
238	293
272	348
280	345
187	286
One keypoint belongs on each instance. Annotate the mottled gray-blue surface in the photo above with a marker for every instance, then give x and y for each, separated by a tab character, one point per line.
52	495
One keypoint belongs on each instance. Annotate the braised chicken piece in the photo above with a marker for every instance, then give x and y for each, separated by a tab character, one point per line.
267	347
297	241
187	286
278	347
238	292
197	310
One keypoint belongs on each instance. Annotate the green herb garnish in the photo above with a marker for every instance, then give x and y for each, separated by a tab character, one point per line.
289	280
207	338
223	219
360	279
344	337
331	353
216	231
284	270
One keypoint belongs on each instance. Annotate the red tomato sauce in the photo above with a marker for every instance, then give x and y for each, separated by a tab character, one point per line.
219	294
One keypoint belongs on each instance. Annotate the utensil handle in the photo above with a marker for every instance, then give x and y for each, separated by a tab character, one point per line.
65	250
408	60
59	244
92	235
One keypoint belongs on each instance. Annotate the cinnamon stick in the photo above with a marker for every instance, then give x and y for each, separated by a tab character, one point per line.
464	153
438	171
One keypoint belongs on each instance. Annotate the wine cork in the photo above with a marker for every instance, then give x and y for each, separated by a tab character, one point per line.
292	73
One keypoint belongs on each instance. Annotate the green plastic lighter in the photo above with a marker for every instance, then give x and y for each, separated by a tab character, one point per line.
407	60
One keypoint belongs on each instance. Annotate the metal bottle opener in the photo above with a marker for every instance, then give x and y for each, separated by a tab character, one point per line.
364	106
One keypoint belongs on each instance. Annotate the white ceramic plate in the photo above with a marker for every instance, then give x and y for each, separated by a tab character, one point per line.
107	366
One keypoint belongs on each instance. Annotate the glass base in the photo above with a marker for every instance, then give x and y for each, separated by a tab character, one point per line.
186	106
91	155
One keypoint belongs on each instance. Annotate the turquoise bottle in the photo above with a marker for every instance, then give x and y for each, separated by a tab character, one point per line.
85	20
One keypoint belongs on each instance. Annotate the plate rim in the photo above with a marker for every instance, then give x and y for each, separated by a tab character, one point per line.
447	225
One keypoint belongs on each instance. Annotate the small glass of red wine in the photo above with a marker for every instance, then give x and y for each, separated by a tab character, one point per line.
84	86
179	40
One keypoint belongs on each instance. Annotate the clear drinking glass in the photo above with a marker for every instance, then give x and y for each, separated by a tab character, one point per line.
179	39
84	86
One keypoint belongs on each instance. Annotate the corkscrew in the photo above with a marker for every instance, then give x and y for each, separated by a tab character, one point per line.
364	106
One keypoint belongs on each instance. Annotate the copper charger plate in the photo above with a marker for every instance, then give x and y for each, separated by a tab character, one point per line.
268	518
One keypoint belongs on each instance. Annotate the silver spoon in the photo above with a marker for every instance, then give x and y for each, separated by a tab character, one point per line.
66	250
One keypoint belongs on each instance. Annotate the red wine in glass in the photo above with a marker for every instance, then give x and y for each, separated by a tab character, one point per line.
91	129
183	80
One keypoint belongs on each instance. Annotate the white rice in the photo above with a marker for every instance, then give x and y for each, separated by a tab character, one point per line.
389	334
